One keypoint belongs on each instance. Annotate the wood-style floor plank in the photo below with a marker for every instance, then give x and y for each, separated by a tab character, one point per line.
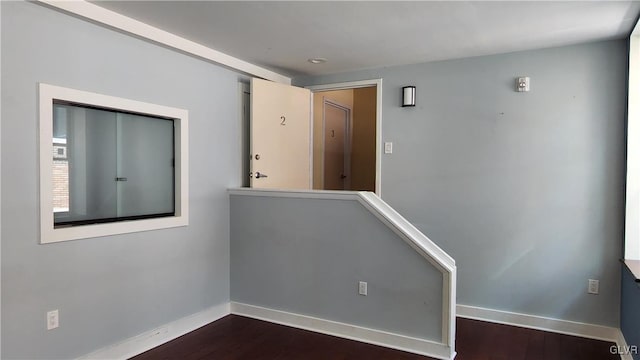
235	337
535	346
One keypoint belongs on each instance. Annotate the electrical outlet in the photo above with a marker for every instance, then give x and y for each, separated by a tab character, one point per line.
362	288
594	286
52	319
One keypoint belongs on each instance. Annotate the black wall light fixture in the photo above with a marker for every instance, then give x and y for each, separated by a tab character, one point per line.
408	96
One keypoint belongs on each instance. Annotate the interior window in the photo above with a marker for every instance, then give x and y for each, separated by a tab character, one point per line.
110	165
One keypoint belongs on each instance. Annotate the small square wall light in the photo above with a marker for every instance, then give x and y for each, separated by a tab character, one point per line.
408	96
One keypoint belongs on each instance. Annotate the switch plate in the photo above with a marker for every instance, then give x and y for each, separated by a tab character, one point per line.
52	319
522	84
388	147
362	288
594	286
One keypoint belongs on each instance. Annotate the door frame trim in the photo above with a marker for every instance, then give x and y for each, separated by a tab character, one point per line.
348	137
245	133
360	84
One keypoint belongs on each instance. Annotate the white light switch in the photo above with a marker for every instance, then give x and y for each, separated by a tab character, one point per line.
362	288
388	147
52	319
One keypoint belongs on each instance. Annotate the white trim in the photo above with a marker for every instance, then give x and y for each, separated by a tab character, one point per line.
360	84
377	207
420	242
591	331
429	250
398	224
345	85
48	234
310	140
137	28
632	204
449	312
149	339
244	141
299	193
347	331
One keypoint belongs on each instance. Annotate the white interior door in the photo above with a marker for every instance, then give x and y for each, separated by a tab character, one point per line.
280	136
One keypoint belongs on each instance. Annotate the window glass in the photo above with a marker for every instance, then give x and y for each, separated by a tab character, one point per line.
110	165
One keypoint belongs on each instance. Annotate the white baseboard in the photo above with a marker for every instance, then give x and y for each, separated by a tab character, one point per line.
371	336
160	335
592	331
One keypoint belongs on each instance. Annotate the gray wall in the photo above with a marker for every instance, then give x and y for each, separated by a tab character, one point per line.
630	310
108	289
307	256
524	190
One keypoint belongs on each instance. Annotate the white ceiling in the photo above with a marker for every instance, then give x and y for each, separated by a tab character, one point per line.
367	34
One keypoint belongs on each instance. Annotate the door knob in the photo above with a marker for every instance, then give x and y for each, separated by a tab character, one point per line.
259	175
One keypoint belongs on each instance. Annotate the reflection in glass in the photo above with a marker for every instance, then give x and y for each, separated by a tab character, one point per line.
110	165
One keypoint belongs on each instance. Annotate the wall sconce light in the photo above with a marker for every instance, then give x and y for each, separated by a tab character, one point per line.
408	96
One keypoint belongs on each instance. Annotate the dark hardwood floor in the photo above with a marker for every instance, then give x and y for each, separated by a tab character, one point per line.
237	337
476	340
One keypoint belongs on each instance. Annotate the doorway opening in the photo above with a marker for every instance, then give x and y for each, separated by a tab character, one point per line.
345	139
349	113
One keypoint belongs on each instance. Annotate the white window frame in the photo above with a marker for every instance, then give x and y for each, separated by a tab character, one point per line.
49	234
632	218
